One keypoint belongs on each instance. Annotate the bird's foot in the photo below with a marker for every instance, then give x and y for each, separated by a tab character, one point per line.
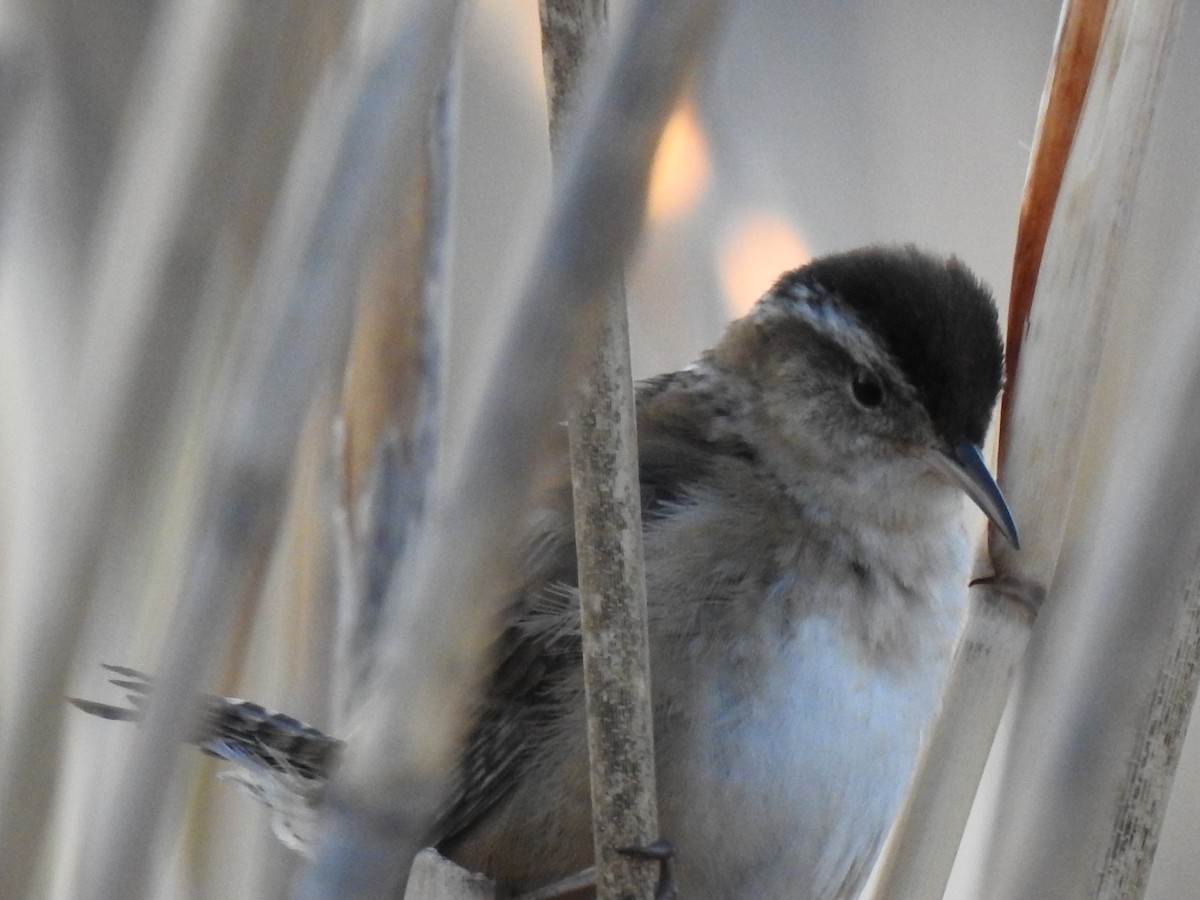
1022	594
663	852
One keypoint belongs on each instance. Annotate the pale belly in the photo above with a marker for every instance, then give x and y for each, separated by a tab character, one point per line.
789	793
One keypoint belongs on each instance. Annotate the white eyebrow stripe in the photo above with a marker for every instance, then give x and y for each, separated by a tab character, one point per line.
821	310
826	314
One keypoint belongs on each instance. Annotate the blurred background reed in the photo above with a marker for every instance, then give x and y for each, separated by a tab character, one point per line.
144	146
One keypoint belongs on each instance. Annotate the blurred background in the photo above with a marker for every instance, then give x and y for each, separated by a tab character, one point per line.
813	127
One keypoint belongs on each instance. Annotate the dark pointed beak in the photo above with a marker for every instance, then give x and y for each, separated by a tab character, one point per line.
964	467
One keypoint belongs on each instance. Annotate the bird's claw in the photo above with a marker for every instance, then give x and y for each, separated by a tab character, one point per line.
661	851
1024	594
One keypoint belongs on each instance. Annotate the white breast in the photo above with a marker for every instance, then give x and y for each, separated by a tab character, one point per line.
786	788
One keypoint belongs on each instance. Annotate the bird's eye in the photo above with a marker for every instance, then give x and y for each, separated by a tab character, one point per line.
867	388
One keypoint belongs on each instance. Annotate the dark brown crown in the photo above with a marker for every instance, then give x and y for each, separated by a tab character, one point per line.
932	315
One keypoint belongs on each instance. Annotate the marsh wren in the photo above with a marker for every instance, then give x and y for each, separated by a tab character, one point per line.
807	567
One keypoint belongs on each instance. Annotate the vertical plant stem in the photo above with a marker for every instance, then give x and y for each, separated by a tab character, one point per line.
1142	802
1068	759
602	426
176	84
1046	401
1071	66
358	133
391	396
409	729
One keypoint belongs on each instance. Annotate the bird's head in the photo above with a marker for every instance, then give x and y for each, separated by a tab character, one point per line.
879	356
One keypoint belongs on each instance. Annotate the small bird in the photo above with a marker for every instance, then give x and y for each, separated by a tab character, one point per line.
806	574
807	570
